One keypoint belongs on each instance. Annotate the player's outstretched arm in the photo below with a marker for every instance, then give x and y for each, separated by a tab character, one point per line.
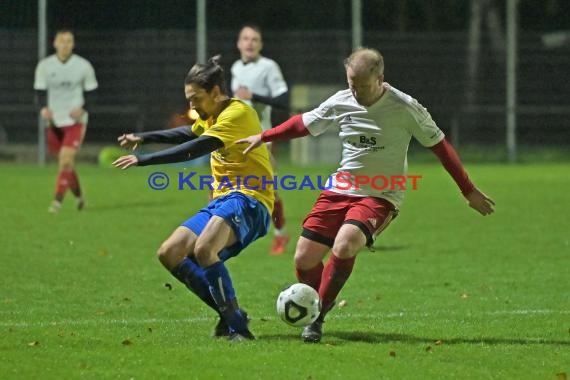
125	162
183	152
290	129
480	202
254	141
451	162
177	135
129	141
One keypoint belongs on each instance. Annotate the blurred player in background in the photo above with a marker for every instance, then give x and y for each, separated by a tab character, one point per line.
65	84
238	215
377	122
258	81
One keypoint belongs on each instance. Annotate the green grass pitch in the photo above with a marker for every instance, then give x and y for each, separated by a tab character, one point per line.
447	294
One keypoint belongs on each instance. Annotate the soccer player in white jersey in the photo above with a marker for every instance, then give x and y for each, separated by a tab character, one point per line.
258	81
376	124
65	84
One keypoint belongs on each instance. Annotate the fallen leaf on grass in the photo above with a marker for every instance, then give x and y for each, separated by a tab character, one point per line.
168	286
561	376
34	343
465	295
127	342
342	303
438	342
393	354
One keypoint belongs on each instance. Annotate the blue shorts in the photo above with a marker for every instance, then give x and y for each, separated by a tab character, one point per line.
246	215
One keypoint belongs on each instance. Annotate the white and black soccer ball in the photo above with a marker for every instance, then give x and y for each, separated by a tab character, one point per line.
299	305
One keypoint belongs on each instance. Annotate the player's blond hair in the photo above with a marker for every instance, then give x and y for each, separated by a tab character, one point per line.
366	60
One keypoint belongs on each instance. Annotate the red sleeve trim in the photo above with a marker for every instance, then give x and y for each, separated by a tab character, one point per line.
451	162
290	129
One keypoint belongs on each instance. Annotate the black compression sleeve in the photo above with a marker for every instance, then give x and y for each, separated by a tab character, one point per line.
41	98
183	152
281	101
89	99
177	135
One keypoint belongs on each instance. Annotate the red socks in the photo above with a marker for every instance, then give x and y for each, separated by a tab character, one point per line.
67	178
311	277
74	184
335	274
278	216
328	279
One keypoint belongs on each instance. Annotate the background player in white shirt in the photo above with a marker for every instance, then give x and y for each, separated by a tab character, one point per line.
258	81
60	83
376	124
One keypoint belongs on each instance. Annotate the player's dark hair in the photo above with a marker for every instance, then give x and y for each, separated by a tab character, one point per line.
251	26
208	75
371	59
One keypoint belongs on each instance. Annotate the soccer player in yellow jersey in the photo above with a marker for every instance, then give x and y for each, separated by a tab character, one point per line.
238	214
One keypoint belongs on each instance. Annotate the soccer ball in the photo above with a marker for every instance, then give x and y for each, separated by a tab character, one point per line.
299	305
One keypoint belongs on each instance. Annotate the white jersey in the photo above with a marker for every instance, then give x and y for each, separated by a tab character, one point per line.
65	83
374	139
262	77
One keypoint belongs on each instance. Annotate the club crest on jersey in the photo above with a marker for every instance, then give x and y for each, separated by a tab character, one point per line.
372	222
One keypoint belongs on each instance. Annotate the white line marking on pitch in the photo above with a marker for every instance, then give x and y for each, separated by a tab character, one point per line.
155	321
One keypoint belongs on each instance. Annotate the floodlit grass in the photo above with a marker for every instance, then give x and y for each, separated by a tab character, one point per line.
447	294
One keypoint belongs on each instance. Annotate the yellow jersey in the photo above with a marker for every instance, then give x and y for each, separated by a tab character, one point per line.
249	174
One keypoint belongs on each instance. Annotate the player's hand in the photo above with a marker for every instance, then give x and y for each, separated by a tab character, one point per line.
254	141
129	141
243	93
126	162
46	113
480	202
76	113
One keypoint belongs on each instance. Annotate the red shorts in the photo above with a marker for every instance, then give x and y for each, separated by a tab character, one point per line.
332	210
71	137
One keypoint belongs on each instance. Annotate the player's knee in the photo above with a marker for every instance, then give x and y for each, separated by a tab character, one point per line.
308	254
345	249
300	260
305	260
166	254
66	163
204	254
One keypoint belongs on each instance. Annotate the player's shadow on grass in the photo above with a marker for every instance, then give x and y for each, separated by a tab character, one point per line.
389	248
374	337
